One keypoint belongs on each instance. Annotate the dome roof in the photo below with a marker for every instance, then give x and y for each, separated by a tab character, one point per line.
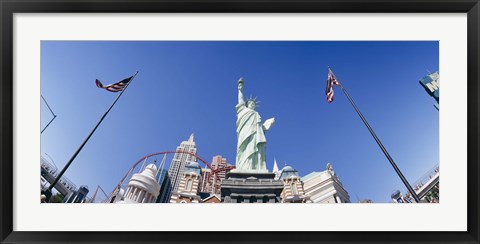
288	168
151	166
150	171
288	171
193	167
146	180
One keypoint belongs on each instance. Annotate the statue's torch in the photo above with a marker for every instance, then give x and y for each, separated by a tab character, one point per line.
240	84
240	81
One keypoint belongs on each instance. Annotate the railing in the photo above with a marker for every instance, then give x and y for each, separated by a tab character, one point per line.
53	172
429	175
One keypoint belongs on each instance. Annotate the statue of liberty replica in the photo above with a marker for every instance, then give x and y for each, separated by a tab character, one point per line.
250	181
251	144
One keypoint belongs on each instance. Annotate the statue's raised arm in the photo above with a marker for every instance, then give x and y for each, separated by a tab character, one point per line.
241	100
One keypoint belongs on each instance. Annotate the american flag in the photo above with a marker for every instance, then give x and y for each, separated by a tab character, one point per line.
116	87
331	80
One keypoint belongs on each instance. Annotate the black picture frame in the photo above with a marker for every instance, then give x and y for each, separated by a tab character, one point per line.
9	7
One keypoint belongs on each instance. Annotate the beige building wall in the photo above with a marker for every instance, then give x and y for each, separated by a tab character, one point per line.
188	187
325	187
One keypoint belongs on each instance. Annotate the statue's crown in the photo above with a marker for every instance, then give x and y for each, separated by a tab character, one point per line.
253	99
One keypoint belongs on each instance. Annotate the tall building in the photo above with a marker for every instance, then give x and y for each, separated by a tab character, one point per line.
165	191
211	183
204	186
165	184
178	163
325	187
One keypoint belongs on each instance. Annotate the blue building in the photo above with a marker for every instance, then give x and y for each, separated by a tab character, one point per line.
165	186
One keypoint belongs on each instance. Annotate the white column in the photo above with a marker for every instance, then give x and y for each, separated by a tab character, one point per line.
140	195
136	192
148	197
152	198
129	192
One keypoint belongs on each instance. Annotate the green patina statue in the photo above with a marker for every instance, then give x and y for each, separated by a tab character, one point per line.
251	144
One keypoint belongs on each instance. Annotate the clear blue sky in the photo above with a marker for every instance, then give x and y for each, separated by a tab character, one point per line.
191	87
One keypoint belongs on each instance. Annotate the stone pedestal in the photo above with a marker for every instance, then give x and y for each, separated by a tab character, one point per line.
251	187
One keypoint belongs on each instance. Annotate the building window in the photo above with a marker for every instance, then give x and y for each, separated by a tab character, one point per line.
189	185
294	189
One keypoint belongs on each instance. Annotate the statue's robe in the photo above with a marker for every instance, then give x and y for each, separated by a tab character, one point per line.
251	144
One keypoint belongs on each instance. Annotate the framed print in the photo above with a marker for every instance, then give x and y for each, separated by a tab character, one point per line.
327	112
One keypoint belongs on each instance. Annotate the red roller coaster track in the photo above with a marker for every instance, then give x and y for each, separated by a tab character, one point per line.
95	194
162	153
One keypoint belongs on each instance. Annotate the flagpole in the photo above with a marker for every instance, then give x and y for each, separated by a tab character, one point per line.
384	150
88	137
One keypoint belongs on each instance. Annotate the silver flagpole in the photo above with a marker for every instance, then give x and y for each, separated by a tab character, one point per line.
384	150
49	190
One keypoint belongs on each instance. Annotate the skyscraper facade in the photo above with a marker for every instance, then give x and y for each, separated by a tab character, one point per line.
179	161
212	181
204	185
165	185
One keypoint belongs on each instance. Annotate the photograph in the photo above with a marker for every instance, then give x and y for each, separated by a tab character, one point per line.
132	115
314	122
